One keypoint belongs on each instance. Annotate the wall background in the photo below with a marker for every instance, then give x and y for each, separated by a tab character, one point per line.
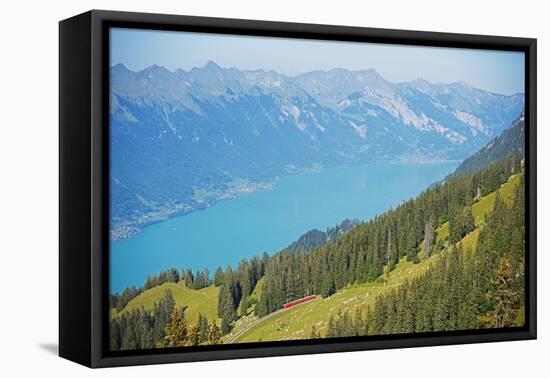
29	189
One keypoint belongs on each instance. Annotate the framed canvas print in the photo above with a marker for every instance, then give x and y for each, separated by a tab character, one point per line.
234	188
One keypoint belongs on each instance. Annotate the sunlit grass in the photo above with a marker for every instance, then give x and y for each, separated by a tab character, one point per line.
204	301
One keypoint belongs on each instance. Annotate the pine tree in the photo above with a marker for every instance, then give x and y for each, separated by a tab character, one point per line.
314	334
189	278
226	326
504	298
176	329
389	246
213	334
162	315
332	331
347	327
202	325
468	222
261	308
411	245
359	322
129	339
327	286
115	335
218	276
428	238
243	307
192	336
455	225
226	300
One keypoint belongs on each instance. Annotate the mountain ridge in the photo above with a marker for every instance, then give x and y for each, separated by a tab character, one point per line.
182	140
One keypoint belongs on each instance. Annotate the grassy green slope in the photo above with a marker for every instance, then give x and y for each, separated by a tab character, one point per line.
484	205
296	323
204	301
257	292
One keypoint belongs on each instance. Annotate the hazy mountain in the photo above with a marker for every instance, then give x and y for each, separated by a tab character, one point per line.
185	139
449	120
331	87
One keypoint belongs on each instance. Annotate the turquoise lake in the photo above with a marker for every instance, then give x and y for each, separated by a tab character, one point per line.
269	220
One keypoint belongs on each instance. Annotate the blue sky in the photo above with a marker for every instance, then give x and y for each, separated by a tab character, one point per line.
496	71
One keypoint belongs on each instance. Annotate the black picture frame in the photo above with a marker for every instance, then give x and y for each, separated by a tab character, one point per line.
84	186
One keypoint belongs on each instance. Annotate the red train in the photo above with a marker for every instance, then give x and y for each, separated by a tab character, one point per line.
298	301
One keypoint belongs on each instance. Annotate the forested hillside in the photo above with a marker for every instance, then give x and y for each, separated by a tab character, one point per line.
480	287
317	317
465	285
363	254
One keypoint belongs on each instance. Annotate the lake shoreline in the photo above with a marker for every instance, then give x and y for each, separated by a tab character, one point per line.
128	229
223	234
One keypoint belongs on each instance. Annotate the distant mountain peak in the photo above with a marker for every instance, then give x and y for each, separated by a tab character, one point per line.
155	68
119	67
373	72
462	83
211	65
421	85
420	81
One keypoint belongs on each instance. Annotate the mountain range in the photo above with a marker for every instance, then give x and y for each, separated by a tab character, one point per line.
182	140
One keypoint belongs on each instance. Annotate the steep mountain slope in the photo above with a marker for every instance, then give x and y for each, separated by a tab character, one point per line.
183	140
511	140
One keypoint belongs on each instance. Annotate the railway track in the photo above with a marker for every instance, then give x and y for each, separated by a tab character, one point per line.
261	320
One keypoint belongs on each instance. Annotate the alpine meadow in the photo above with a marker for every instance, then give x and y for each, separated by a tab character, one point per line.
253	203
